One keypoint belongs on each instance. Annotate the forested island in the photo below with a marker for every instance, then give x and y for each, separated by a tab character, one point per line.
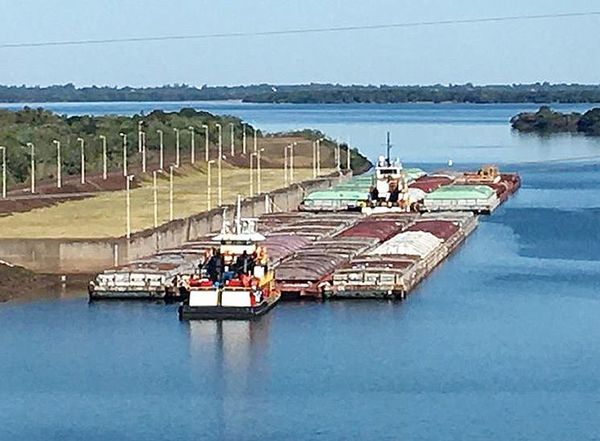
312	93
545	120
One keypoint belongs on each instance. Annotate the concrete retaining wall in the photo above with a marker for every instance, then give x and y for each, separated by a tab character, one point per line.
73	256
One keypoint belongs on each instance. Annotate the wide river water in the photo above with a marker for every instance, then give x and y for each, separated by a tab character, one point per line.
501	342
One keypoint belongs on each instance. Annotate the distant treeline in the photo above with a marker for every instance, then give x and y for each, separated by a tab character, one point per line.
546	121
313	93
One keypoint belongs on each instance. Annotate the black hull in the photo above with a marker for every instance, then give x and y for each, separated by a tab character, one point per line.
187	312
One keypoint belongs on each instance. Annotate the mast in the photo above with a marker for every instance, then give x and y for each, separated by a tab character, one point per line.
389	147
238	217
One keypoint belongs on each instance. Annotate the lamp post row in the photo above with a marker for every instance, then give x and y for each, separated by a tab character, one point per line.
141	148
288	165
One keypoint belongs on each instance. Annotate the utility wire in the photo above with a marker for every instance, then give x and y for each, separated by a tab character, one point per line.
297	31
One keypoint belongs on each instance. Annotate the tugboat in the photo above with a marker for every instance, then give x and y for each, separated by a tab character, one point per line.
234	281
390	192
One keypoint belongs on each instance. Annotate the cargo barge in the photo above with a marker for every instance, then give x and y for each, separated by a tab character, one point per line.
152	278
397	266
308	272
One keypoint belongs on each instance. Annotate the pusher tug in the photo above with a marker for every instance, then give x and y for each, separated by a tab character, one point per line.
390	192
234	281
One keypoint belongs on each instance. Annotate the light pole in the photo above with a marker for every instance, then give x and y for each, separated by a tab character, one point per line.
162	149
140	124
314	159
170	192
252	174
143	151
32	148
348	157
232	140
128	180
244	126
319	156
124	136
193	145
176	147
338	164
255	140
205	127
285	163
58	165
104	159
209	186
155	191
292	162
220	166
258	172
82	145
3	171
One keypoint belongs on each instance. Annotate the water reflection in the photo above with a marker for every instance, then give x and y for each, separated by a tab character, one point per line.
228	362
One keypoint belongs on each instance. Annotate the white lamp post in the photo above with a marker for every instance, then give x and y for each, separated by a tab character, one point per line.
205	127
244	126
314	159
193	145
319	156
104	158
220	165
155	192
140	124
232	140
143	152
32	148
124	136
259	172
3	171
285	165
209	186
292	162
170	192
58	165
82	145
128	180
255	140
348	157
252	174
177	163
161	148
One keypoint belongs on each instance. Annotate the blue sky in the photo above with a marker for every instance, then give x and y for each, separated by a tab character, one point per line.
556	50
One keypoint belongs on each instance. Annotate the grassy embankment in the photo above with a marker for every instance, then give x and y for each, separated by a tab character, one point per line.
104	213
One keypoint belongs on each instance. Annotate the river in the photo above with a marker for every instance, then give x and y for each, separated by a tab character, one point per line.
500	342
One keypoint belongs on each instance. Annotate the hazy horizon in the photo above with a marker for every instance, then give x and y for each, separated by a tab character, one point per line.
251	84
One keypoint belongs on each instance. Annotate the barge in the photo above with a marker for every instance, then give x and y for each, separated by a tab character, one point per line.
308	272
396	267
154	277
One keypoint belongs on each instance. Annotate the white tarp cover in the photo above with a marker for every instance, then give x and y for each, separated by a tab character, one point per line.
412	243
416	194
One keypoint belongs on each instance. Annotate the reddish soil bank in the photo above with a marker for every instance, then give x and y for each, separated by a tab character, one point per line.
19	284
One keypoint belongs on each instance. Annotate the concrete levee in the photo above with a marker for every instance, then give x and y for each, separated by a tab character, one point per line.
73	256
